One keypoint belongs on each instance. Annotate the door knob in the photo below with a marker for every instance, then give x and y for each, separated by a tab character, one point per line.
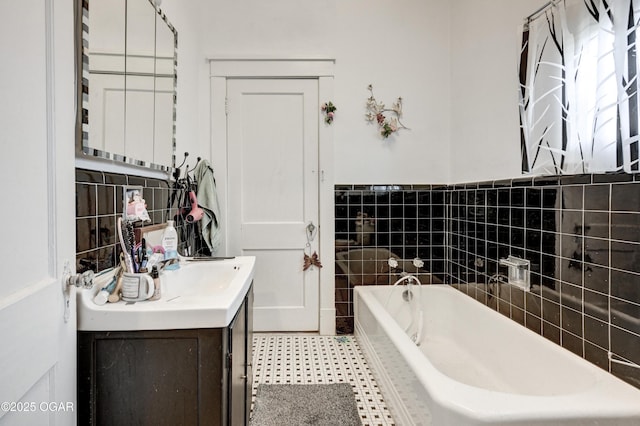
84	280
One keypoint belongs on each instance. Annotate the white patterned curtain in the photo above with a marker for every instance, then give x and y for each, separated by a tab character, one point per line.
579	88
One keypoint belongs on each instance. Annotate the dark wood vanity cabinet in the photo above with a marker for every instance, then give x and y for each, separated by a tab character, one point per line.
240	374
167	377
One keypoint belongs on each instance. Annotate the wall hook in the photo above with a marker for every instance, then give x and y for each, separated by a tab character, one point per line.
176	172
194	167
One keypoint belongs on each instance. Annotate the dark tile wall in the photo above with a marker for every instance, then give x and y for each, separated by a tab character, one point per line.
375	222
580	233
99	202
582	237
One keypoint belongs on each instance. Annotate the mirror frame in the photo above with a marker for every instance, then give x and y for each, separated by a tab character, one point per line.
83	150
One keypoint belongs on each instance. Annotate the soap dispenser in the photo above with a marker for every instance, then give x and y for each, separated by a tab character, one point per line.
170	241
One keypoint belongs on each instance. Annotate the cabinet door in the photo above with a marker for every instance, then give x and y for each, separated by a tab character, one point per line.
249	346
168	377
238	368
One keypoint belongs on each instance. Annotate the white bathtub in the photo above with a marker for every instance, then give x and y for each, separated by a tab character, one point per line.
474	366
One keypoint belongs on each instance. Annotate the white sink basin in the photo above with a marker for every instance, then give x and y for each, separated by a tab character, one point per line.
202	294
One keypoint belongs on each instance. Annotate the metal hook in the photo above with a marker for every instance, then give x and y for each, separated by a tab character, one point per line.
176	172
194	167
186	154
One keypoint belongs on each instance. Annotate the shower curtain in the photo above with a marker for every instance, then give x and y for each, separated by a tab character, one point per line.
579	88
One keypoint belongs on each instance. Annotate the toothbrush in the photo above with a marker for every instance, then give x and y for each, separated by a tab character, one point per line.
131	243
144	258
115	295
128	261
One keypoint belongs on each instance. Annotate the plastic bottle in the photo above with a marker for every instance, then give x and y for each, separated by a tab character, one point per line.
103	295
101	298
156	283
170	241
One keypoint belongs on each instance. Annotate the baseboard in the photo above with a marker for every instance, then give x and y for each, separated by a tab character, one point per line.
327	321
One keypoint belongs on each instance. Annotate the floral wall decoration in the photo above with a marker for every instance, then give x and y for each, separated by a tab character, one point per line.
376	112
329	109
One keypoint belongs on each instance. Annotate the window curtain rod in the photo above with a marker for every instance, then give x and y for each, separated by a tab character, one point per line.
540	10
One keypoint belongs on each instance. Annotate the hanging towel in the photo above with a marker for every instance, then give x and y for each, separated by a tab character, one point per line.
208	201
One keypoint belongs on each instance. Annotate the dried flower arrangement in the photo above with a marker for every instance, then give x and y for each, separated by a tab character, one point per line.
329	110
376	112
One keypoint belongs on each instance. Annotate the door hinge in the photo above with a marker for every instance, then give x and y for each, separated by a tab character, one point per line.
226	106
229	360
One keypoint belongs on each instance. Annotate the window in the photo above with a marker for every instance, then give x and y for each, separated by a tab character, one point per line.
579	88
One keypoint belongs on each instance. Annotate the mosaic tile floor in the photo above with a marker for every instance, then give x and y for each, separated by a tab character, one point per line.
300	359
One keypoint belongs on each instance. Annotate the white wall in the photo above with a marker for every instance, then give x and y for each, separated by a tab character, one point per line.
402	49
453	62
485	50
192	92
253	28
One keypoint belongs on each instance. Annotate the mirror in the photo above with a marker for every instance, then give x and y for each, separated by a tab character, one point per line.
128	68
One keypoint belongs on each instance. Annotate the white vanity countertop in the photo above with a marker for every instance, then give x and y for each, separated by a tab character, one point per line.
201	294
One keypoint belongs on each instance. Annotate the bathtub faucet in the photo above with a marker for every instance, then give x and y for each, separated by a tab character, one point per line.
406	278
493	284
407	296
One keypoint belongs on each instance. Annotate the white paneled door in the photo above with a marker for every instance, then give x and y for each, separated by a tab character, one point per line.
273	195
37	314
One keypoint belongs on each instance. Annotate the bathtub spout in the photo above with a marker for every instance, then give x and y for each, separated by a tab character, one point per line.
409	278
407	296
